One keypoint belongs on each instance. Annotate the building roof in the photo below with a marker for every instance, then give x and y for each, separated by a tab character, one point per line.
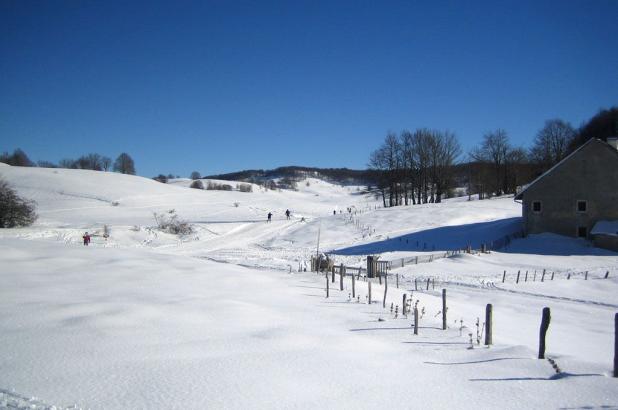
520	195
605	228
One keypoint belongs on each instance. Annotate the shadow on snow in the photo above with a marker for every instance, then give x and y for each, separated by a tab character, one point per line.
446	238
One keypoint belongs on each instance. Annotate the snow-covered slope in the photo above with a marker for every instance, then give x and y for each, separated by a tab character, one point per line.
146	319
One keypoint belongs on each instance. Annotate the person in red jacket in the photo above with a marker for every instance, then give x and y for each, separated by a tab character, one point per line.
86	238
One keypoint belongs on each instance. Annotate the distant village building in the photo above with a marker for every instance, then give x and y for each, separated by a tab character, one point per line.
577	197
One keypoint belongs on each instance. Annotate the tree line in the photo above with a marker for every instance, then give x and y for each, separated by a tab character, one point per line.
96	162
425	166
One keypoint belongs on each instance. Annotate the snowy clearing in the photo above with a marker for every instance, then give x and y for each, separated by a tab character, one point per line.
215	319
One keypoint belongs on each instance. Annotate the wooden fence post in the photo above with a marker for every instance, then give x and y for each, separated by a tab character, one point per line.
543	276
341	273
443	309
403	303
586	277
543	332
415	284
327	287
606	275
353	286
503	276
427	283
415	320
569	276
616	345
488	324
552	275
369	290
518	272
333	274
397	281
385	290
526	279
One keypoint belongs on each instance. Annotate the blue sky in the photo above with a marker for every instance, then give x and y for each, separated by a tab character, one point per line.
223	86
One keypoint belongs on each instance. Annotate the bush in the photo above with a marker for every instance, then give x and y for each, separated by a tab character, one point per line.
14	211
197	184
171	224
218	187
245	188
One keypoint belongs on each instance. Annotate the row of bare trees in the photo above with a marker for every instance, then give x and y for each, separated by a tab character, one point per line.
93	161
425	165
415	167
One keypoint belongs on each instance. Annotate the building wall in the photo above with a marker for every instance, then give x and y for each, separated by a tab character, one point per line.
590	174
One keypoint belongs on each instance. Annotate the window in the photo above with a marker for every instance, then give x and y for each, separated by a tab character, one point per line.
536	206
582	232
582	206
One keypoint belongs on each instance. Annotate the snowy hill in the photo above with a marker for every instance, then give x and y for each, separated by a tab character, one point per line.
214	319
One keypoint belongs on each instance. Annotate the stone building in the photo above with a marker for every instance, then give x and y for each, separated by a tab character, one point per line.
575	194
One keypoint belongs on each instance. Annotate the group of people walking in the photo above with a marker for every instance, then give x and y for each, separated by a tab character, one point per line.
270	215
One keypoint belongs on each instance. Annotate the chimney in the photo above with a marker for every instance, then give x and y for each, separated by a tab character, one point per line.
613	141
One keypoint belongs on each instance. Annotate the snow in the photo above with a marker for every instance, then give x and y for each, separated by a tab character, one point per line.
605	228
222	319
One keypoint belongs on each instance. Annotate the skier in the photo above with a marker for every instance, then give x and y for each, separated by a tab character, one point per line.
270	215
86	238
287	213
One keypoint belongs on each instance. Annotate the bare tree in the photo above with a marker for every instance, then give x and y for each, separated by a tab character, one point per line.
106	163
18	158
551	143
124	164
195	175
493	151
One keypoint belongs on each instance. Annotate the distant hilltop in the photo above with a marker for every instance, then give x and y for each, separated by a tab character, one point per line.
343	176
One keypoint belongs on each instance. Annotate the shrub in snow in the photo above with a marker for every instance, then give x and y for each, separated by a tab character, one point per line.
218	187
14	210
245	188
171	224
197	184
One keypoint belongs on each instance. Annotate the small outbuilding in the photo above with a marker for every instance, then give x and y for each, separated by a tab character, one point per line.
576	194
605	235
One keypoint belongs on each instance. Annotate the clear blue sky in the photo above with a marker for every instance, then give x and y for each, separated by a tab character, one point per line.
226	85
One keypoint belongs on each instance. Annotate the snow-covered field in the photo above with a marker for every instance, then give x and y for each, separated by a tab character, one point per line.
222	318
